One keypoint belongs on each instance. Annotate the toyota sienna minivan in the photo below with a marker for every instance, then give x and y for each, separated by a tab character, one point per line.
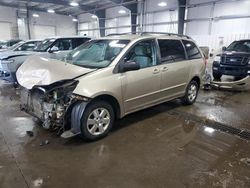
108	78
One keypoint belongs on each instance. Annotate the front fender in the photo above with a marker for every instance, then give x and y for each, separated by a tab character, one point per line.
76	116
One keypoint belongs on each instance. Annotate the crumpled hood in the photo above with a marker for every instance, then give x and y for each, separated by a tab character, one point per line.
41	71
10	53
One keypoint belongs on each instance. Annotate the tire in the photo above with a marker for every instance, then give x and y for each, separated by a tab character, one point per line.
217	76
93	126
191	93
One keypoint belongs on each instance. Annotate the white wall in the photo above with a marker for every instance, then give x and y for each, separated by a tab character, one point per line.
88	26
224	28
114	23
63	25
117	23
161	19
8	23
9	27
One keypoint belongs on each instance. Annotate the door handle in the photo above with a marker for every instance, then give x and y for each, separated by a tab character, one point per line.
156	71
164	69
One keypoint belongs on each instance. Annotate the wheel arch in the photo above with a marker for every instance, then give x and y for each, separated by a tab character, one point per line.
112	101
197	79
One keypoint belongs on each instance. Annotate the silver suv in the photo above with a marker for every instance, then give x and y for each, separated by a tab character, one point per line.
109	78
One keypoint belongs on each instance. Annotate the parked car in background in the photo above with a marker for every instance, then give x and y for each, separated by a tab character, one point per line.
233	61
28	45
8	43
59	47
108	78
55	48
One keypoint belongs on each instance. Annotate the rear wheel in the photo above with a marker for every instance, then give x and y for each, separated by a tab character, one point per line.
97	120
191	93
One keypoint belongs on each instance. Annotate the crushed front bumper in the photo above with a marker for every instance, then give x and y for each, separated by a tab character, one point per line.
33	103
238	85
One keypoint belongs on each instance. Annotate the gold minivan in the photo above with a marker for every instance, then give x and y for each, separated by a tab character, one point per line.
109	78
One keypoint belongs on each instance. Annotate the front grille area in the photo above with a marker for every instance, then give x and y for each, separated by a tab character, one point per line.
234	60
33	102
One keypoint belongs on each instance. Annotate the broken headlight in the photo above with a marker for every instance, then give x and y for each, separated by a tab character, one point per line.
79	97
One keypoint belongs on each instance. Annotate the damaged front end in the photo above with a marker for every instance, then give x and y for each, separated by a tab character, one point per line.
52	104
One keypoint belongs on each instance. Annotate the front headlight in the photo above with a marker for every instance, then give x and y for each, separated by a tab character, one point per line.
217	59
8	61
79	97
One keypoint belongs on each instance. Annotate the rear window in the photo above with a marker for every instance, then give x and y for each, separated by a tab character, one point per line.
171	50
192	50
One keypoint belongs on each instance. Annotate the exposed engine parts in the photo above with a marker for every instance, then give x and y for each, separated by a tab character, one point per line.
49	103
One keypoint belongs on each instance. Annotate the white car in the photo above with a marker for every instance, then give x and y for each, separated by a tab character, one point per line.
54	48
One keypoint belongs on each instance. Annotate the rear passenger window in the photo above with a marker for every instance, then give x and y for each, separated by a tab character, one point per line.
192	50
171	50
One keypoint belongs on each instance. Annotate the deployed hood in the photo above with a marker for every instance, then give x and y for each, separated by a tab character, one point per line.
9	54
41	71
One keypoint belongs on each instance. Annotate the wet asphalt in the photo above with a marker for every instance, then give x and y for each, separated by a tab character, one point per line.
168	145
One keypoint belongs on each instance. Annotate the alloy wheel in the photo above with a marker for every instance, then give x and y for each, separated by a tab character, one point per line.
98	121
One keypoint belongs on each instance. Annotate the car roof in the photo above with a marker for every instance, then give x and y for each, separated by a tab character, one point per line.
34	40
145	36
243	40
11	40
60	37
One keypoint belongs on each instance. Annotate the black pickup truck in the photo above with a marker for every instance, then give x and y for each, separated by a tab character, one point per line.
233	61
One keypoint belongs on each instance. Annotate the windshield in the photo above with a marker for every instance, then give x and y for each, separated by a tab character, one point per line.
96	53
239	46
16	45
42	47
27	46
3	44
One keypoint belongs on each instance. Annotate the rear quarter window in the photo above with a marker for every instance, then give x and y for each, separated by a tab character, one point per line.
192	50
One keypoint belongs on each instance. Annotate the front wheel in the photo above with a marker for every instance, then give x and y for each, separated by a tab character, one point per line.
97	120
191	93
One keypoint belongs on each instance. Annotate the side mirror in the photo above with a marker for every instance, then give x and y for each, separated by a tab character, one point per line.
129	66
224	48
53	49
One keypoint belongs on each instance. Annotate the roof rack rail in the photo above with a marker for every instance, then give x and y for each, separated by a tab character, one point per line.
169	34
148	33
114	34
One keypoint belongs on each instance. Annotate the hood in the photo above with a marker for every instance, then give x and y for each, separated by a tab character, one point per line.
235	58
41	71
3	49
9	54
232	53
